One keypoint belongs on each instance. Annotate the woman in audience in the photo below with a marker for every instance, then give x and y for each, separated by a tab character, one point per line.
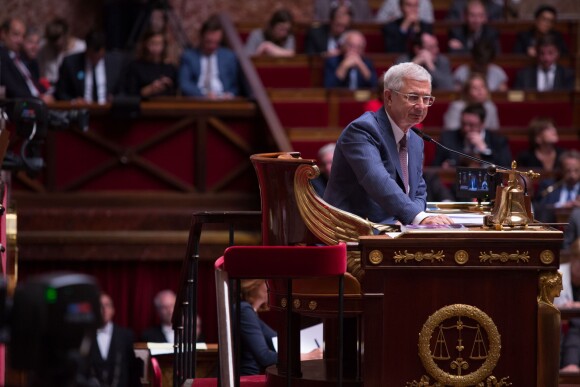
474	91
544	20
276	39
543	152
149	75
256	336
257	350
482	56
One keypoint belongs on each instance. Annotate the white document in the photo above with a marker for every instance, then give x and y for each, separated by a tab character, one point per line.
310	338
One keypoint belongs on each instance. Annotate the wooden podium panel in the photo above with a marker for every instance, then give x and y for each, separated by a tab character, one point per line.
470	296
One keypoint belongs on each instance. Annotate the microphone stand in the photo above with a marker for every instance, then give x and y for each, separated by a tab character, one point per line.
512	206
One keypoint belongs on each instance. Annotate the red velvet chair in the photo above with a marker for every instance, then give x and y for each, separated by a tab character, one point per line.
274	262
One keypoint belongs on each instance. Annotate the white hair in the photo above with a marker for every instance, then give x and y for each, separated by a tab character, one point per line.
328	148
393	78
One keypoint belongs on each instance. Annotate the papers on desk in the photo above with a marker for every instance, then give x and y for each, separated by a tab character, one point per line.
167	348
310	338
467	218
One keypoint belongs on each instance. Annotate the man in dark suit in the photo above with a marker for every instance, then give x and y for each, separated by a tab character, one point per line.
399	33
351	68
473	139
563	193
93	76
210	70
377	170
15	76
475	28
111	356
323	39
546	74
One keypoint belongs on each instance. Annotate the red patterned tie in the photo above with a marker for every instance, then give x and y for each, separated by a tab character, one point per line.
403	160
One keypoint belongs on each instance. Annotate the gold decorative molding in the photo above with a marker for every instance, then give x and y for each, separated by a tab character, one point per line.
504	257
547	257
418	256
440	350
461	257
491	381
330	224
375	257
312	305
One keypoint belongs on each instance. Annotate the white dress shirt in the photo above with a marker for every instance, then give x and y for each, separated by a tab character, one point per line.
546	78
213	84
104	336
101	82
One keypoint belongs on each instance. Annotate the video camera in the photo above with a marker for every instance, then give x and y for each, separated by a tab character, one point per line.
32	120
49	325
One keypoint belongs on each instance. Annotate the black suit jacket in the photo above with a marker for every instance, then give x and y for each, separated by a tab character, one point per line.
71	80
454	139
525	39
462	34
316	41
11	78
527	78
397	41
154	335
120	368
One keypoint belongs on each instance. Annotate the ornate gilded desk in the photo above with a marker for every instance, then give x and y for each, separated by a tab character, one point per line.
460	308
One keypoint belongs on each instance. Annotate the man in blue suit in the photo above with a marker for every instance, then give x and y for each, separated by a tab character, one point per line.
377	170
210	70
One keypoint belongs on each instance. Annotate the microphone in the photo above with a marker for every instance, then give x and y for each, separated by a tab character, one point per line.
492	168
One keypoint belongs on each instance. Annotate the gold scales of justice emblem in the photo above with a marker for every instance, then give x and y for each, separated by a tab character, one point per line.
444	342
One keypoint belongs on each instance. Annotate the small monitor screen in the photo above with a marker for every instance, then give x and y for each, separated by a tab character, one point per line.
476	183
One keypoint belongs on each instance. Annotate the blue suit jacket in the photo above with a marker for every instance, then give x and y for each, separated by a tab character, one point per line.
366	177
190	71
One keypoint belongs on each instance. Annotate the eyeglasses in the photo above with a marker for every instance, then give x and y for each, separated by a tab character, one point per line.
414	99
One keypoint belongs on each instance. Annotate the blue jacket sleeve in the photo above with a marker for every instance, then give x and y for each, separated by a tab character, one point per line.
189	74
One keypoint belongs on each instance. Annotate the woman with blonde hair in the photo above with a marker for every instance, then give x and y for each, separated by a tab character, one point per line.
474	90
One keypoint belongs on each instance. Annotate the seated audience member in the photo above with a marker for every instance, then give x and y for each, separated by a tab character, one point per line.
150	75
57	44
360	9
543	152
425	52
546	74
257	349
15	75
29	54
391	10
324	162
473	139
323	39
562	193
210	70
351	68
276	39
544	20
482	57
493	9
111	357
93	76
164	302
399	33
474	91
475	28
570	296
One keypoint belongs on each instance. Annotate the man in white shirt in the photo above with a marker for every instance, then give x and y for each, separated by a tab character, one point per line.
112	358
546	74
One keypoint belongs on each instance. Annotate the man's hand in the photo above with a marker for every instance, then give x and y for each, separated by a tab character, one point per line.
437	219
571	368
